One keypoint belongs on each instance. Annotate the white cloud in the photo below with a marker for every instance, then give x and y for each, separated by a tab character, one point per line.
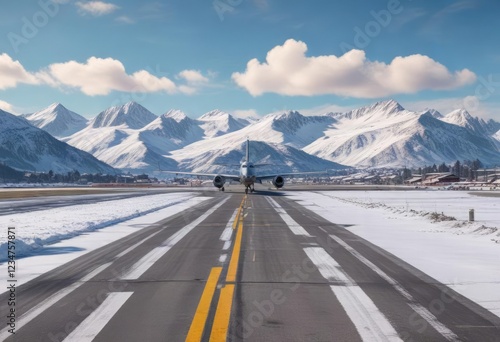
12	73
125	20
96	8
5	106
192	76
97	76
100	76
288	71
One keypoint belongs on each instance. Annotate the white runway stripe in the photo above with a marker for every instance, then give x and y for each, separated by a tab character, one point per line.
296	228
98	319
422	311
228	231
369	321
153	256
44	305
131	248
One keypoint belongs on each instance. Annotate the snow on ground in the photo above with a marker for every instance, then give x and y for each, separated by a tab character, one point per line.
463	255
122	218
38	228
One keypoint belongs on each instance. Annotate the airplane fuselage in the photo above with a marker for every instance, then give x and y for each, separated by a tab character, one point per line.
247	174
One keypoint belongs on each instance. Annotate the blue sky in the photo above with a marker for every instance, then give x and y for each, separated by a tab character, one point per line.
192	55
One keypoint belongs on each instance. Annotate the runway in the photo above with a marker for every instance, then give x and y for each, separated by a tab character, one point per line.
257	267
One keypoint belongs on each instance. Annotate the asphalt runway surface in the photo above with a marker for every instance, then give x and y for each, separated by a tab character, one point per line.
257	267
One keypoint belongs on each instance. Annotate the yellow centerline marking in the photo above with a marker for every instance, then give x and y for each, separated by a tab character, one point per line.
237	218
223	314
235	256
222	317
200	318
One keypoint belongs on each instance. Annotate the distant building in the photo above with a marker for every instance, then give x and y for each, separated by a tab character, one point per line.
434	179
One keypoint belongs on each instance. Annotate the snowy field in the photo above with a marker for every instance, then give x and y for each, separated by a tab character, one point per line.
44	236
463	255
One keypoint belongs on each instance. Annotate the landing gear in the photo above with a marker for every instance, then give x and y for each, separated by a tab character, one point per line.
221	189
249	188
246	190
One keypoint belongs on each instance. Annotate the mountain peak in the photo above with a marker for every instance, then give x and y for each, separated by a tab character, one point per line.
460	113
390	106
130	114
176	114
57	120
381	109
56	106
287	115
434	113
214	115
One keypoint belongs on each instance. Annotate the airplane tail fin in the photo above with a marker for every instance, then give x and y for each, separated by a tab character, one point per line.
248	151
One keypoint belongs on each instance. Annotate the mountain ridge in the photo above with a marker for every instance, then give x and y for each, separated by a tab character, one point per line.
383	134
26	147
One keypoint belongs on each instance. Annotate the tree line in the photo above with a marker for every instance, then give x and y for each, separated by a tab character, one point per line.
10	175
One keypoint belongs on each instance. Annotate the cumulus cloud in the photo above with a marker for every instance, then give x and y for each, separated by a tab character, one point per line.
96	8
100	76
288	71
192	76
12	73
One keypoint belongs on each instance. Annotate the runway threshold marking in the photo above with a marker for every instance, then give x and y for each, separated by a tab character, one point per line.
418	308
222	317
97	320
370	322
44	305
153	256
200	318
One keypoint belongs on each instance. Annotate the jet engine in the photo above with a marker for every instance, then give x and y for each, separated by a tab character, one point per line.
219	181
278	181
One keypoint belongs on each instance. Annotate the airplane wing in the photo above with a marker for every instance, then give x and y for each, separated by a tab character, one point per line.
232	177
270	176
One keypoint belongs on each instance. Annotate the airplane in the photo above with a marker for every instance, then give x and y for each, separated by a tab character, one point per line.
247	176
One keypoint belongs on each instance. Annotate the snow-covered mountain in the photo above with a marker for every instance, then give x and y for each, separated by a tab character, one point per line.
146	147
57	120
462	118
383	134
226	157
434	113
216	123
386	135
290	128
131	115
25	147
